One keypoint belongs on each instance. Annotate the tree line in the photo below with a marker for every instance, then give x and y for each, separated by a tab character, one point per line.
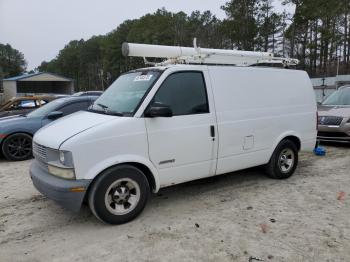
317	33
12	62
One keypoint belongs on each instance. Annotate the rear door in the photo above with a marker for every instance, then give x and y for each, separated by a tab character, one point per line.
184	147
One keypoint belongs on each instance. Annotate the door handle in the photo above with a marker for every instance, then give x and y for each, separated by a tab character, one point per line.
212	131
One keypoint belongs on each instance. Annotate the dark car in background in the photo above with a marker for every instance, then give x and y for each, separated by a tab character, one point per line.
16	132
334	117
24	105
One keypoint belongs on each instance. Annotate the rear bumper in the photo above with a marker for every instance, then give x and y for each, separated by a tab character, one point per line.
58	189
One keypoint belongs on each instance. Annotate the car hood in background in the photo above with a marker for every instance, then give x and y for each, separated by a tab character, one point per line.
11	124
342	111
6	118
54	134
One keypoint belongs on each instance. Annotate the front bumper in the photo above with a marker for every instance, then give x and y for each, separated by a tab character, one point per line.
58	189
334	133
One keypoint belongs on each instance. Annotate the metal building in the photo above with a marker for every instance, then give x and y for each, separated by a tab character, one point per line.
37	83
327	85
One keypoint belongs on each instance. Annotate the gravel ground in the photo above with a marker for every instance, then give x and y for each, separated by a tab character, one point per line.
225	218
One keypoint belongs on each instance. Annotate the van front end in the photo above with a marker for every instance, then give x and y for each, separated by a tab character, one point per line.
73	152
53	175
67	193
53	170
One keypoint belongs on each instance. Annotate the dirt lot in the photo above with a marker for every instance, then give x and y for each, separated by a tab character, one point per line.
226	218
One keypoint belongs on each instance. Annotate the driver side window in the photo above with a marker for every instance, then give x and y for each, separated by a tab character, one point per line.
185	93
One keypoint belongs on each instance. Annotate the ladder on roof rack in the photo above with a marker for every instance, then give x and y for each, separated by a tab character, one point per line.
196	55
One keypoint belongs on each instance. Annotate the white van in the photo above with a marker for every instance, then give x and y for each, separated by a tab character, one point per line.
161	126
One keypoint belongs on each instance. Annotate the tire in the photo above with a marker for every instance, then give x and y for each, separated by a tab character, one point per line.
110	195
284	160
17	147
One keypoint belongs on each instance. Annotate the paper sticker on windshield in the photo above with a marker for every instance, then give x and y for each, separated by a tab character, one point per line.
143	78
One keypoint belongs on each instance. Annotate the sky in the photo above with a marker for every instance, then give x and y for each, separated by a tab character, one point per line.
40	28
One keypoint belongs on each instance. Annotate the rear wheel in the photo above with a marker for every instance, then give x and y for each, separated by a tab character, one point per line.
119	194
17	147
284	160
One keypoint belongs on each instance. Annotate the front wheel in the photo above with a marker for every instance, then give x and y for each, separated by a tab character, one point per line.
284	160
119	194
17	147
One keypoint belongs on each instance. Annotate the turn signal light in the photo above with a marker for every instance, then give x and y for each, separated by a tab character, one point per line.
77	189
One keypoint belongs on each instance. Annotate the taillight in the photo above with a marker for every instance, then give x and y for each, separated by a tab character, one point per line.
317	120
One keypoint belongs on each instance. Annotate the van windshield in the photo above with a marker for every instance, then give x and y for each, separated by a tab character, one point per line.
340	97
123	97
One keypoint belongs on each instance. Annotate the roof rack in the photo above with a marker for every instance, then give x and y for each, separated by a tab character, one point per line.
197	55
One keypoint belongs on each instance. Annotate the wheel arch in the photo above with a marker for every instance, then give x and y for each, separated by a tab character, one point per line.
149	172
292	136
295	140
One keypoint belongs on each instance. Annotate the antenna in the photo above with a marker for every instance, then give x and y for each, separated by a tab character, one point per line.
196	55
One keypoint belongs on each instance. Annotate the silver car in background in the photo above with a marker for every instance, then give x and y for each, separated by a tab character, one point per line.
334	117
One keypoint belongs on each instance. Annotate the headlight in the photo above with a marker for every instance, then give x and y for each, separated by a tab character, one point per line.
66	173
62	158
61	165
65	158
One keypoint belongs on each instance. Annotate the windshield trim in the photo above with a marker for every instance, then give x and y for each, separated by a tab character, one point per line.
149	89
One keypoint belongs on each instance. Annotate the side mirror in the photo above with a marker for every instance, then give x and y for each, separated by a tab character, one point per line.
158	110
54	115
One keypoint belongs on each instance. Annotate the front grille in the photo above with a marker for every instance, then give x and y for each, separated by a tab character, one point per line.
330	120
40	152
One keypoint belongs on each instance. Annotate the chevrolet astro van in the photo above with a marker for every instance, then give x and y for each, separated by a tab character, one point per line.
160	126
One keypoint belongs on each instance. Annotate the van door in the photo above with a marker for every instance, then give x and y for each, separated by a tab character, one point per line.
184	147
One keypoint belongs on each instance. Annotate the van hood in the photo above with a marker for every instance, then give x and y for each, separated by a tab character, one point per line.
54	134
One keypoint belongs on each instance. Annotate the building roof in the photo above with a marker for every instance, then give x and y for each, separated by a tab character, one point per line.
35	77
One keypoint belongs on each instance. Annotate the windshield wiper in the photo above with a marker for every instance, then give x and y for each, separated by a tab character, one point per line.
103	106
109	112
114	113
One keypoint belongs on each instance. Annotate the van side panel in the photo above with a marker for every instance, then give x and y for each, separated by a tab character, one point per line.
257	108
